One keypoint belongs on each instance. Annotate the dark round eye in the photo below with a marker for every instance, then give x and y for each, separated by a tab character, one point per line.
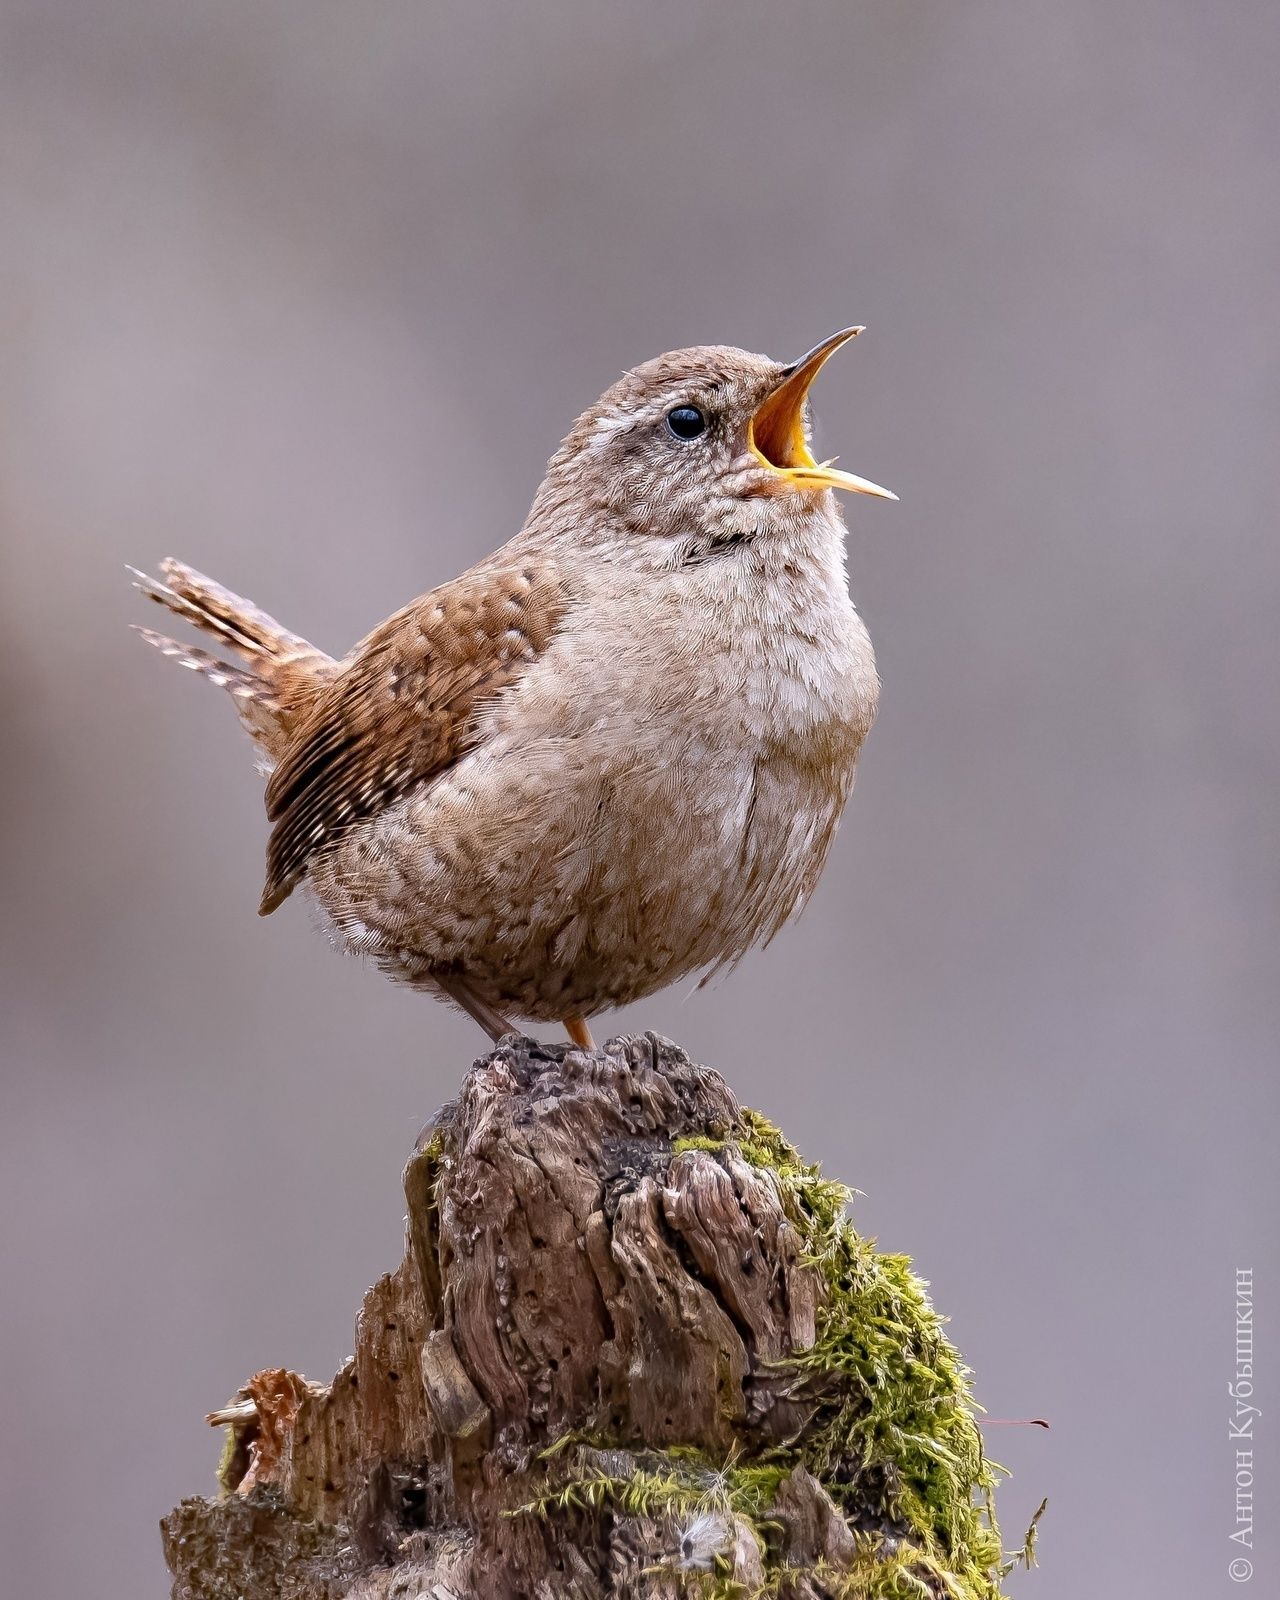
686	422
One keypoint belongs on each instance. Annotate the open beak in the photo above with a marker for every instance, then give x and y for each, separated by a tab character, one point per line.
775	434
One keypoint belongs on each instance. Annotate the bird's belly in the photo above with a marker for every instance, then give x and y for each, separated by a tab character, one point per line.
572	875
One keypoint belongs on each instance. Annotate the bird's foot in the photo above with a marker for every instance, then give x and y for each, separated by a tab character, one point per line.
576	1028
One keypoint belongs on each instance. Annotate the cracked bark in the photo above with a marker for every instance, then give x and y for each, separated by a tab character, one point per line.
566	1272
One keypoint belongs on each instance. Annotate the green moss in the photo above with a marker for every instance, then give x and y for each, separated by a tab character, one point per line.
894	1420
697	1141
670	1483
892	1432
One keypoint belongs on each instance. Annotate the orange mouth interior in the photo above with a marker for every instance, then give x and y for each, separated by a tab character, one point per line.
776	433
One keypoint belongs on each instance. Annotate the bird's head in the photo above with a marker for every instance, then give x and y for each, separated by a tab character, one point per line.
697	448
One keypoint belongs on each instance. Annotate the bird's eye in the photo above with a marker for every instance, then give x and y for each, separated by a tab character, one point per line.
686	422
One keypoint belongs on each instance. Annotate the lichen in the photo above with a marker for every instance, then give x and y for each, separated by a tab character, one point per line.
892	1434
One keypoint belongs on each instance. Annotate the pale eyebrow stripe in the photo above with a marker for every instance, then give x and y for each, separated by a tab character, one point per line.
615	422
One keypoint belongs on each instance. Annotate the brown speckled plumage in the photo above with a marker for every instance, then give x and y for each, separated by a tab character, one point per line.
401	712
612	753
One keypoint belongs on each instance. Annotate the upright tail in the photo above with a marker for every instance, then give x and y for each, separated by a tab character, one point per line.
275	675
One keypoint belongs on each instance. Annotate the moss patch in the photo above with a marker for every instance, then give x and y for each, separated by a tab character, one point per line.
894	1420
667	1483
892	1434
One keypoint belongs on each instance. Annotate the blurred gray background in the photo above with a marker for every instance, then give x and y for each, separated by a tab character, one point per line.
306	293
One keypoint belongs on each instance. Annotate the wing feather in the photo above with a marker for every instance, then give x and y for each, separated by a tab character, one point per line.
402	708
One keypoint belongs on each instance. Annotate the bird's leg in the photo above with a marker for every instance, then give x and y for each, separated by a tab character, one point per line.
576	1028
461	992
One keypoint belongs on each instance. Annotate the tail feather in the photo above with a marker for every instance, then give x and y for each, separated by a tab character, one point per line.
239	681
230	617
278	673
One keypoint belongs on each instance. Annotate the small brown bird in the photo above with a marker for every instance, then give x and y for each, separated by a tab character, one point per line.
612	753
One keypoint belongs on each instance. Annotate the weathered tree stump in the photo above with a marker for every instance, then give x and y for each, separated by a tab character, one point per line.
633	1349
